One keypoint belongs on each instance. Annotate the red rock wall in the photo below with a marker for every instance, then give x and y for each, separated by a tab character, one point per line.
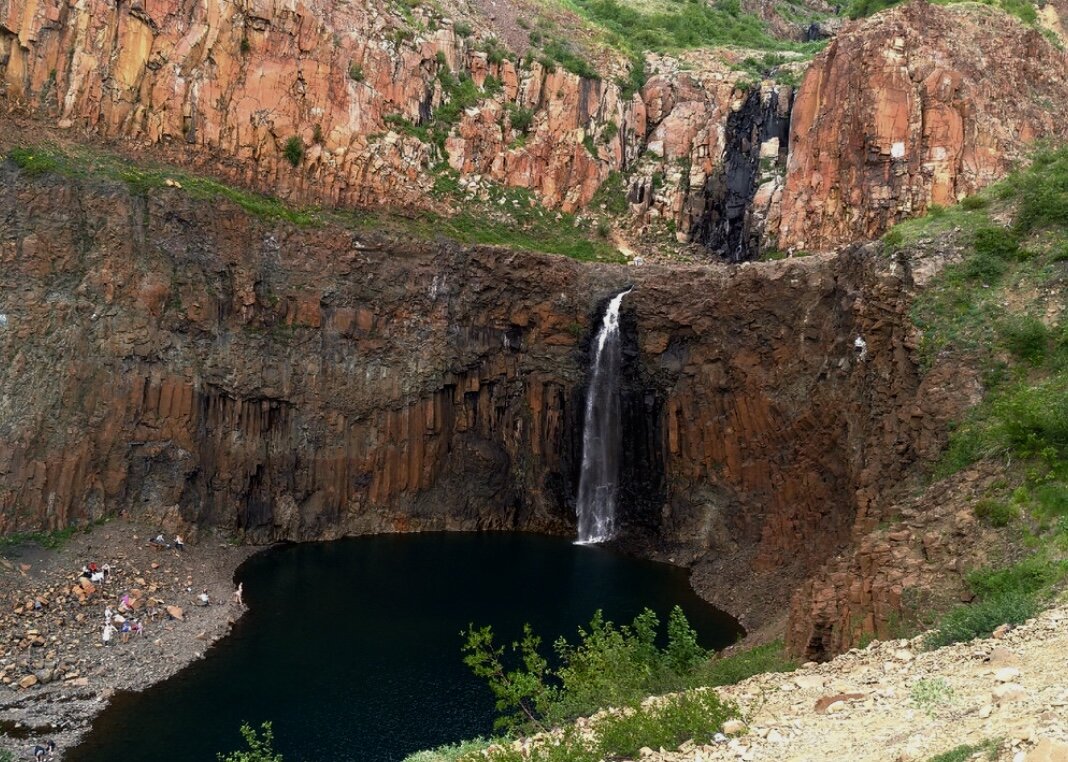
923	104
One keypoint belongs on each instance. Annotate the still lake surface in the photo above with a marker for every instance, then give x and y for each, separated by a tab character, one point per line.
352	648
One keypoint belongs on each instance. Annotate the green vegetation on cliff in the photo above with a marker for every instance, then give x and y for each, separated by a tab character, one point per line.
1000	308
508	217
1025	10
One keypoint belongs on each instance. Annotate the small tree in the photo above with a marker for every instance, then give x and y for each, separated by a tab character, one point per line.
260	748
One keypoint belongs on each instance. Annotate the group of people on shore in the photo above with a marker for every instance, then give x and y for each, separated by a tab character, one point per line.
115	622
47	751
160	542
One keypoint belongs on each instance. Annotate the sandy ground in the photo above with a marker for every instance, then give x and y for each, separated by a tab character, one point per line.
56	674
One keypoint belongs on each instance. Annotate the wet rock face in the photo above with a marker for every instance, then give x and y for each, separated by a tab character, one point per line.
730	224
191	366
921	105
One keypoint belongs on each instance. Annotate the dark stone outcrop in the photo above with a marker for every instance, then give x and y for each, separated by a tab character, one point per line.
727	226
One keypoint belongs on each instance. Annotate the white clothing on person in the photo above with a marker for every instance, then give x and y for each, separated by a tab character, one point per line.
203	599
108	631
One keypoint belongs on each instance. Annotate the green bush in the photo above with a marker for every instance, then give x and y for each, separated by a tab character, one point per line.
1025	336
520	118
294	150
260	749
727	670
1034	419
972	203
355	72
451	752
1051	500
609	665
1042	191
1026	578
978	620
995	513
966	752
462	28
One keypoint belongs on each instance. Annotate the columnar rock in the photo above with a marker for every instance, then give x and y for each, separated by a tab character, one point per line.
920	105
174	360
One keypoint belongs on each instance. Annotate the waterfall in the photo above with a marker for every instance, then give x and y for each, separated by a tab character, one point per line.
601	435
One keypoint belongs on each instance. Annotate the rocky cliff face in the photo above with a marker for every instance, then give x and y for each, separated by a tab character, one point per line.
361	86
169	359
921	105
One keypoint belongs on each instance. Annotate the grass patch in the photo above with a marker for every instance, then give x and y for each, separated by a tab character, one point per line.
727	670
965	752
979	620
684	24
621	734
51	540
452	752
1024	10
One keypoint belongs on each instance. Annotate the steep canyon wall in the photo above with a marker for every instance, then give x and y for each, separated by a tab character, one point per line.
188	364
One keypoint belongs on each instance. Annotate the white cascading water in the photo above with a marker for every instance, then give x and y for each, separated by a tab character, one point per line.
601	436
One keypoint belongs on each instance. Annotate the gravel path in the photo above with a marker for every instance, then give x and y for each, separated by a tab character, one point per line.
56	674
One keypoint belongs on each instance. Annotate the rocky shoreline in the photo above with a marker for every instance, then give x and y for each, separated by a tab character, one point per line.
56	675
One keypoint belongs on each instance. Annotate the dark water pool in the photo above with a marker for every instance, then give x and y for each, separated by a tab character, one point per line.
352	648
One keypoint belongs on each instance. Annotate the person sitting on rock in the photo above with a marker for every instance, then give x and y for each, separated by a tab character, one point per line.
40	753
159	541
179	544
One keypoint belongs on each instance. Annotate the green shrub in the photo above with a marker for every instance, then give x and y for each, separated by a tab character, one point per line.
246	46
1042	191
727	670
612	195
520	118
294	150
355	72
893	238
965	752
1034	419
462	28
456	752
930	693
972	203
695	715
995	513
979	620
260	749
1025	336
609	665
1051	500
1027	578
